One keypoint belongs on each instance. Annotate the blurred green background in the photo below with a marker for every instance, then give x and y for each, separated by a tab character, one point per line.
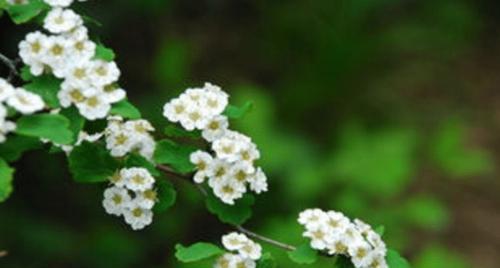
387	110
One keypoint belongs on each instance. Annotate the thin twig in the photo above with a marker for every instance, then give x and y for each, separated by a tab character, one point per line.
11	64
167	170
266	239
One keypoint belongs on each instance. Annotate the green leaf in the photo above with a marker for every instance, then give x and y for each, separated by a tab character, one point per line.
26	74
236	214
15	146
175	155
47	87
137	160
166	195
6	174
197	252
53	127
91	162
235	112
304	254
380	230
266	261
24	13
76	120
175	131
104	53
125	109
394	260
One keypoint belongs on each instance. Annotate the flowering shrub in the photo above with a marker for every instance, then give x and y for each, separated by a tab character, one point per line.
67	98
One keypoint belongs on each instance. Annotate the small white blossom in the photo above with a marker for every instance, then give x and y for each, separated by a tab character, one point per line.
234	241
146	199
104	73
228	190
115	200
5	128
137	179
6	90
215	128
59	3
60	20
94	107
138	217
31	51
202	161
251	250
258	182
25	102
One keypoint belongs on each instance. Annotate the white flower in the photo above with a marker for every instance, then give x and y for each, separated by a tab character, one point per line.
104	73
119	143
6	90
94	107
59	3
175	110
78	74
227	149
218	171
337	221
215	128
234	241
312	218
137	179
5	128
25	102
215	103
360	254
258	182
124	137
73	94
195	118
250	250
60	20
31	50
241	172
117	179
115	200
337	245
57	51
113	94
225	261
146	199
240	262
202	161
138	217
229	190
318	235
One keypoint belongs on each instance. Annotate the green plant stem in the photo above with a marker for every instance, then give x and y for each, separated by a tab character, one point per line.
168	171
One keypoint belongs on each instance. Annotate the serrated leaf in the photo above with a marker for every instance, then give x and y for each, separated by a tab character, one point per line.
91	162
47	87
126	110
236	214
53	127
175	155
236	112
6	174
394	260
24	13
15	146
166	195
104	53
197	252
136	160
175	131
76	120
304	254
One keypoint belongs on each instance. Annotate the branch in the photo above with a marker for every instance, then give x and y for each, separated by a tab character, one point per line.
167	170
11	64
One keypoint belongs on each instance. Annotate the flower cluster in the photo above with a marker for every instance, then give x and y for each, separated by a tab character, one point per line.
125	137
68	53
246	252
131	196
21	100
334	233
232	168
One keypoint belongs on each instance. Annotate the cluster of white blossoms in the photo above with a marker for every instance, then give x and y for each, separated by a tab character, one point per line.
123	137
19	99
245	252
68	53
132	196
232	168
334	233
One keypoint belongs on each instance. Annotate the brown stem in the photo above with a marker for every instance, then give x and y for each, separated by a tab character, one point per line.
11	64
167	170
